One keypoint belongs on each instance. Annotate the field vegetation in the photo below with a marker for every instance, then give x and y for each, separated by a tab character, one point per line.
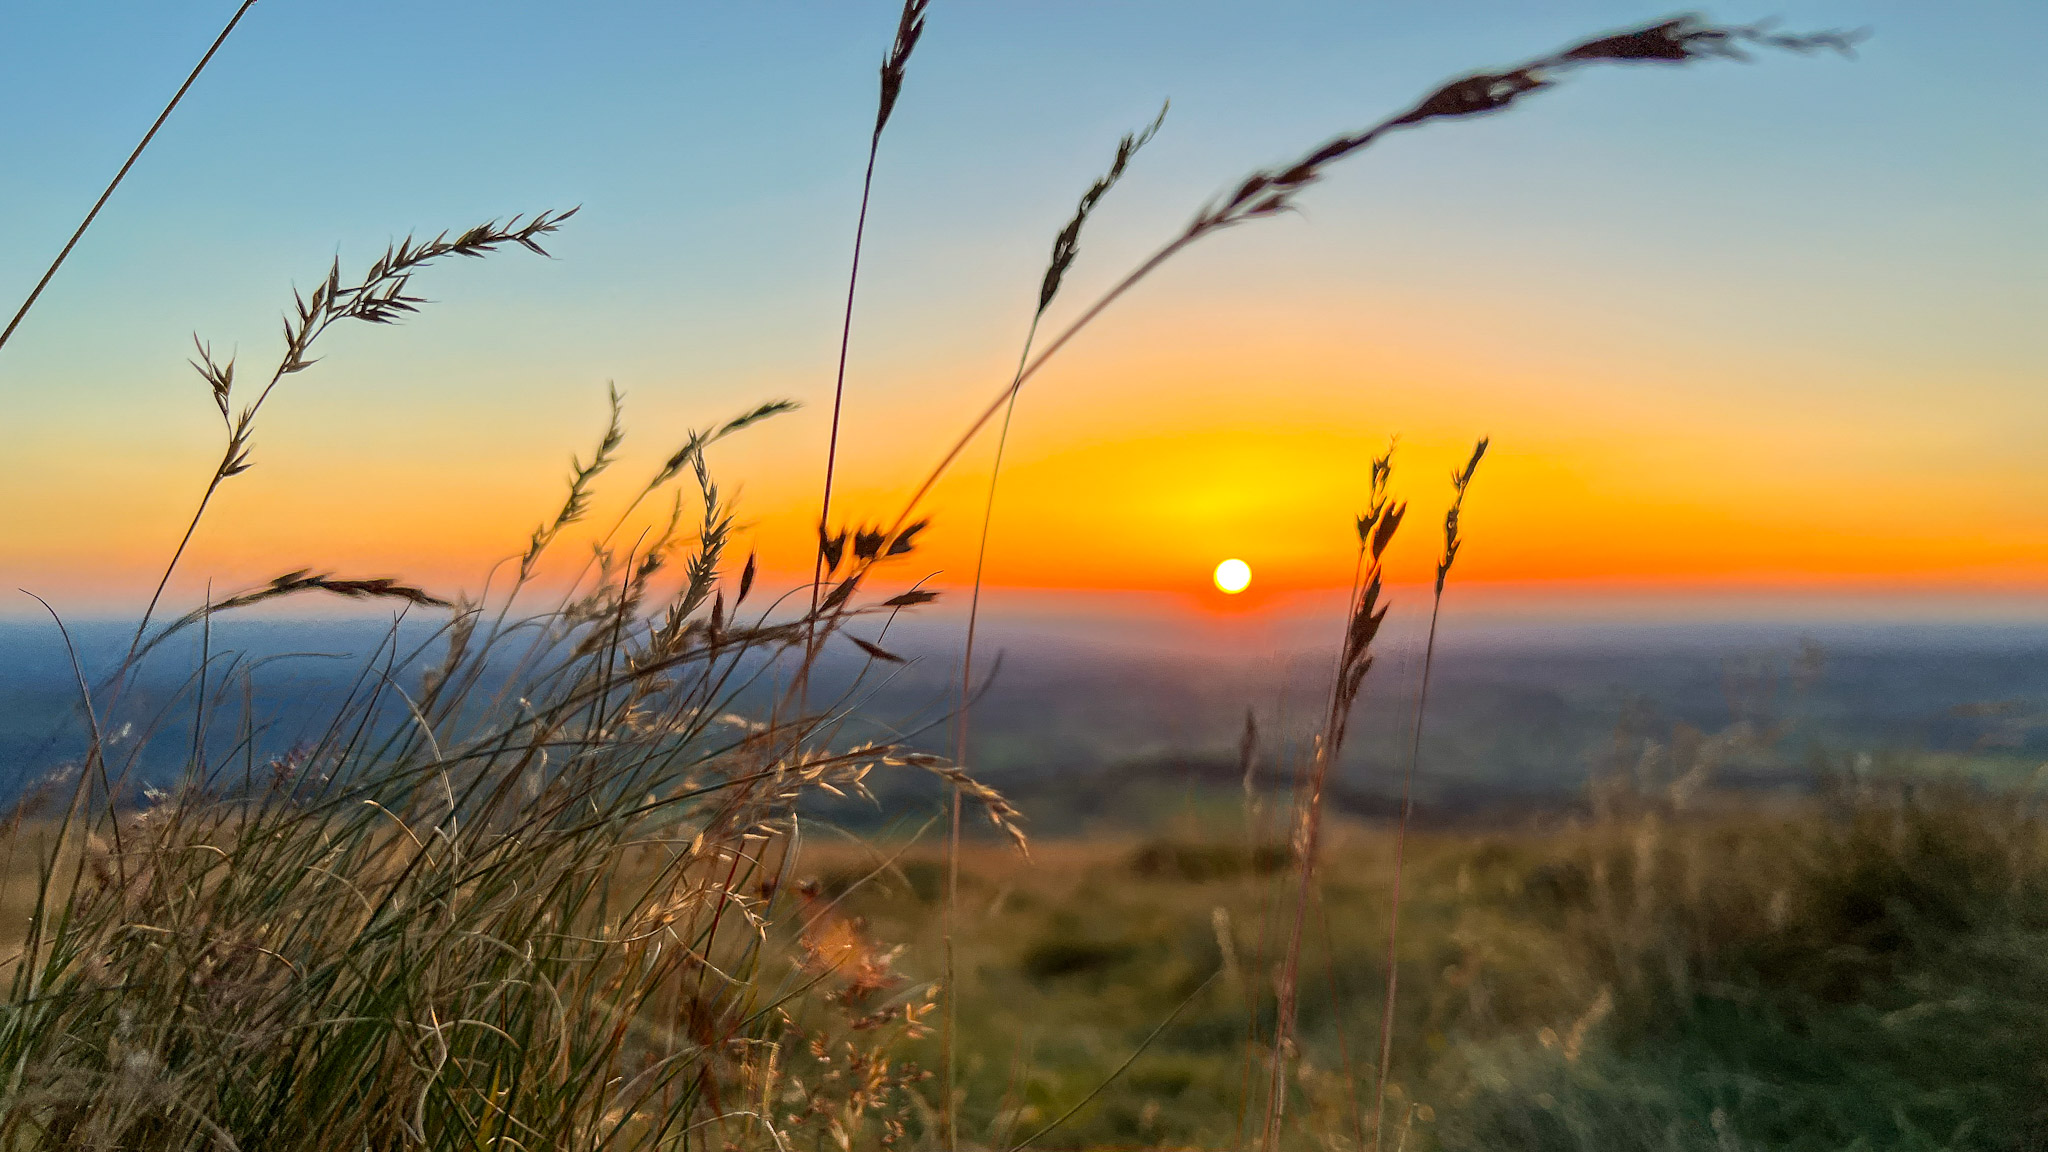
1857	970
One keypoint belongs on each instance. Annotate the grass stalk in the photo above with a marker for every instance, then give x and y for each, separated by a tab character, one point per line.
1106	1081
1351	1101
1066	246
379	298
107	194
1269	193
1460	482
909	27
1376	528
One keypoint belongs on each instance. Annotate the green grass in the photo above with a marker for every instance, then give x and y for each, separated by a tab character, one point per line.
1858	972
1867	970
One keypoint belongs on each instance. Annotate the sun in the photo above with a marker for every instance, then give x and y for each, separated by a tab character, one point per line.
1233	576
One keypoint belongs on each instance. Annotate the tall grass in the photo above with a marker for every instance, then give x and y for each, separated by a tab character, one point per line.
1066	246
1461	482
1376	530
895	67
519	889
534	882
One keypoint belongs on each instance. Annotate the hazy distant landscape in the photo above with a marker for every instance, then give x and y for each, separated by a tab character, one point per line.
1090	725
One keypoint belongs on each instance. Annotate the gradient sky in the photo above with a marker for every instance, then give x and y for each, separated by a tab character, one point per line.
1763	326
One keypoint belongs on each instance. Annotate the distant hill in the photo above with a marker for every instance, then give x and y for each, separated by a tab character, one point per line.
1069	724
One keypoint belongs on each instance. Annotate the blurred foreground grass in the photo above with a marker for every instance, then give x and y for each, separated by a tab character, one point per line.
1865	970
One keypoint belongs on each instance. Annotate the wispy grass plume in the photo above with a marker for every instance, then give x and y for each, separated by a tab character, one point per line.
1066	246
1268	193
895	66
381	296
1376	528
1461	482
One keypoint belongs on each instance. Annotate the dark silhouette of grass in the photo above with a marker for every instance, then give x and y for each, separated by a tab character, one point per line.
93	213
1460	482
909	29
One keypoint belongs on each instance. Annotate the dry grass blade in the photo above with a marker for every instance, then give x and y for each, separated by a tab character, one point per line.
1067	244
1675	41
1000	812
1140	1050
748	419
305	580
876	651
1065	248
909	27
1461	481
1355	658
1271	192
291	584
581	476
93	213
380	297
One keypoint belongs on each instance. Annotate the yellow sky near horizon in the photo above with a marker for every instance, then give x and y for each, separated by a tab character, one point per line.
1138	463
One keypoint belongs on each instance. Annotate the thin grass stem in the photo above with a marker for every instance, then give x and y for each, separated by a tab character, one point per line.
1461	481
65	253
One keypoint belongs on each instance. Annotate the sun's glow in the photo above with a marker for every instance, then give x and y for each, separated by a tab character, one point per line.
1233	576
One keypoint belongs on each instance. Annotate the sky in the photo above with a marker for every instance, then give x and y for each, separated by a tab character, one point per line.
1766	329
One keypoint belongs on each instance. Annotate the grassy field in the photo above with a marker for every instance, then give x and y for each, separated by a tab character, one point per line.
1862	971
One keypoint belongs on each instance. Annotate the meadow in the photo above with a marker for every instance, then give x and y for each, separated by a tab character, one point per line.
1860	970
572	861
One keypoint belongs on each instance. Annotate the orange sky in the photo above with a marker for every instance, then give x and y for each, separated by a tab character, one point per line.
1139	465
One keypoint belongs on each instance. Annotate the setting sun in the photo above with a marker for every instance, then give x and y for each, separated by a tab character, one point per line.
1233	576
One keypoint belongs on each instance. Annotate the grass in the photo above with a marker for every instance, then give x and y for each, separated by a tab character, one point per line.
93	213
1862	970
542	883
